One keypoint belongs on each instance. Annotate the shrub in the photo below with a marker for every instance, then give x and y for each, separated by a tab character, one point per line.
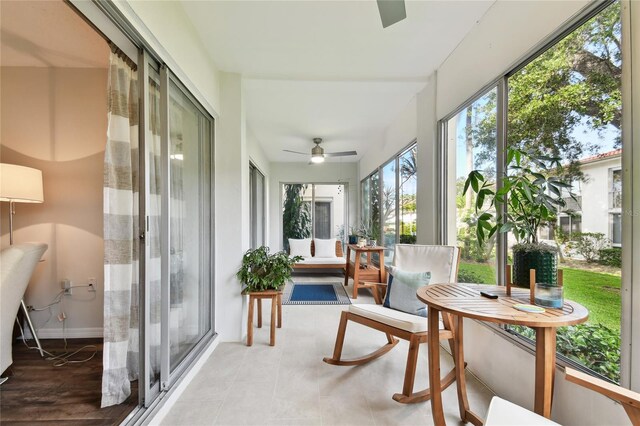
469	277
407	239
610	257
595	346
589	244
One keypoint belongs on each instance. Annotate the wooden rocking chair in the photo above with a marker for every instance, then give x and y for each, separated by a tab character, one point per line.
442	262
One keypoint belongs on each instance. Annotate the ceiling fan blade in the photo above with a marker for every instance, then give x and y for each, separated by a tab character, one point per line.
391	11
340	154
296	152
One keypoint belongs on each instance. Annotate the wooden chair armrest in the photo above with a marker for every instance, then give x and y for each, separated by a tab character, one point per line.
378	289
620	394
370	284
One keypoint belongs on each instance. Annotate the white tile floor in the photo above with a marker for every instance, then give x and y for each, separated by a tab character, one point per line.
288	384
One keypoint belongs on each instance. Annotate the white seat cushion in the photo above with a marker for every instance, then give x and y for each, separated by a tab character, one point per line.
322	261
397	319
505	413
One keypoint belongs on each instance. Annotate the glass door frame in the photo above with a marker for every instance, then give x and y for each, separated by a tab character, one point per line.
167	376
149	392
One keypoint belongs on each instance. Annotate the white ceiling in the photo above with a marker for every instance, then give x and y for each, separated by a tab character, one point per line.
327	68
48	34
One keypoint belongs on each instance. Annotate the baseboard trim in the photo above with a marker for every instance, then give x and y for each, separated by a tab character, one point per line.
69	333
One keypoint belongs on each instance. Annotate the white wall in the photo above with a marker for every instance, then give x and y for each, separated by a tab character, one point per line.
232	207
55	120
398	135
427	190
301	172
508	370
166	27
595	196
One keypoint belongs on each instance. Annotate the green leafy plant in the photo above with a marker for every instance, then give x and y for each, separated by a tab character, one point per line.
296	214
610	257
532	197
365	230
589	244
595	346
469	277
263	271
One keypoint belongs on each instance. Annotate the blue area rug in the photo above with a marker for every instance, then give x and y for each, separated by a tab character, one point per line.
315	294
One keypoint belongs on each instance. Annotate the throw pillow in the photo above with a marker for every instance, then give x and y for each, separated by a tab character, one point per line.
300	247
401	291
325	248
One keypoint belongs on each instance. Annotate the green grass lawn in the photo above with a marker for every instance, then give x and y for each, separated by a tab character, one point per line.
598	292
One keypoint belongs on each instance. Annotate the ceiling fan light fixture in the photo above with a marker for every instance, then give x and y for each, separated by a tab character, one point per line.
317	158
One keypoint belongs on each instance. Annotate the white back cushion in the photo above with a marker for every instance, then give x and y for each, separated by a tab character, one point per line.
441	261
324	248
300	247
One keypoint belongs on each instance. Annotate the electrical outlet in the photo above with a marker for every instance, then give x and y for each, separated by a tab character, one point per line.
66	286
93	284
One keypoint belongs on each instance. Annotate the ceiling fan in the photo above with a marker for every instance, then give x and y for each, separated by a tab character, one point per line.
391	11
318	154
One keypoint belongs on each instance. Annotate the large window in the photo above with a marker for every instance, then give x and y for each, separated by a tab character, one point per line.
564	103
256	206
471	137
388	201
313	211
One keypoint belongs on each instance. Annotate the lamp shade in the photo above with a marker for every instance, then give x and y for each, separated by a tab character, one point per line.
20	184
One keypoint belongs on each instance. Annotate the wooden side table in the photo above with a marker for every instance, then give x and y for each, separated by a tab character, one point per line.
364	272
276	309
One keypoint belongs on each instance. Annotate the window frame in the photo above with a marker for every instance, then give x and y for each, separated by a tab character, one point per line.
379	170
630	361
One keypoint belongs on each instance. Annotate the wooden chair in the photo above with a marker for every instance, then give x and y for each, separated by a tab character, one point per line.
502	412
629	399
442	262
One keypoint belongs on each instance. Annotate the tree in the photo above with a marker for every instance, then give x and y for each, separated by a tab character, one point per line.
572	85
296	214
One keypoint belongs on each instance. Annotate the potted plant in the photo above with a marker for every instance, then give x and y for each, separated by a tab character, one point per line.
263	271
365	233
353	235
532	193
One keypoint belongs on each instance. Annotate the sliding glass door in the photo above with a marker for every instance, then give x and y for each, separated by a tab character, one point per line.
176	172
189	233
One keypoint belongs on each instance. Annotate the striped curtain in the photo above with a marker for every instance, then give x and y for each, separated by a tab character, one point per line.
121	232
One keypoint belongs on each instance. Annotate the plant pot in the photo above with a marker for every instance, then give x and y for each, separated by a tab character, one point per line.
372	243
545	263
353	239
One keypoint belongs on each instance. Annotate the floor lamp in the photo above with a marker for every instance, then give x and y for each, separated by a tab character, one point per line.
19	184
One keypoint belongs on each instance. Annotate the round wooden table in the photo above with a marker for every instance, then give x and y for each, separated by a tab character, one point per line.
464	300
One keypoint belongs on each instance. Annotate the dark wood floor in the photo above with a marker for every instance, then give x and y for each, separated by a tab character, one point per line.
38	392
